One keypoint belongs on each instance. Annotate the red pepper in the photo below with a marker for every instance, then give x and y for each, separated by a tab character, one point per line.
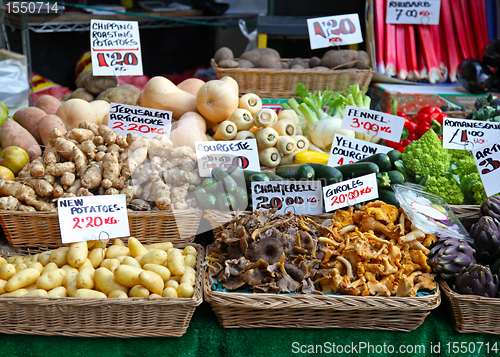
438	117
403	142
433	124
430	109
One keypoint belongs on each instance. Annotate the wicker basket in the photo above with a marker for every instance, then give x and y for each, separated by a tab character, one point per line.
280	83
248	310
132	317
41	229
471	313
467	214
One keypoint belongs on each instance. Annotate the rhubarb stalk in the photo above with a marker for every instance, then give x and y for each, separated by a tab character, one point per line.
401	61
460	29
470	39
434	73
438	50
411	53
423	72
379	10
479	21
448	35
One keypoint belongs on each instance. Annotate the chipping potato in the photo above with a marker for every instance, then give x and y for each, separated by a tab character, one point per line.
117	294
3	284
87	264
28	259
70	280
48	267
15	293
3	261
21	266
87	293
51	279
152	281
169	292
85	278
37	265
188	278
127	275
110	264
162	246
189	269
31	287
185	290
121	257
118	241
106	282
15	260
44	257
190	250
77	254
22	279
116	250
171	284
138	291
175	262
92	244
190	260
36	292
154	296
59	256
136	248
176	278
7	271
158	269
131	261
60	291
96	256
154	256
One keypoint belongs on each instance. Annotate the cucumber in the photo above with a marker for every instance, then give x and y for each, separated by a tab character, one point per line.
227	181
394	155
388	196
204	199
296	172
382	160
241	198
274	177
237	174
210	185
357	169
326	174
226	201
251	176
396	177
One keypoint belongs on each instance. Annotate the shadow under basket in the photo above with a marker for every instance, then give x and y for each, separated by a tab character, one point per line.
41	229
249	310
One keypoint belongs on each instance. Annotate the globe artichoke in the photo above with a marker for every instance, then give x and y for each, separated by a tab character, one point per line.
491	207
477	280
486	235
449	255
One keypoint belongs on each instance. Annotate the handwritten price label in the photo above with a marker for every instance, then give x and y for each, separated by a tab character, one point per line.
85	218
223	154
337	30
115	48
146	122
371	122
300	197
413	12
487	159
463	134
350	192
346	150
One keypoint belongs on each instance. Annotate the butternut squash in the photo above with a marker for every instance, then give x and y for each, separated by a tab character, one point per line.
191	85
193	119
75	111
161	93
217	100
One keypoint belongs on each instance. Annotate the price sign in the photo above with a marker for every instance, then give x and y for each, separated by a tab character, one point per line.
462	134
413	12
86	218
371	122
350	192
337	30
300	197
487	159
115	48
346	150
223	154
146	122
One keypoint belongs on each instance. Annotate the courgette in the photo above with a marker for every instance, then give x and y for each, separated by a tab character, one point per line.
357	169
204	199
227	181
226	201
383	180
296	172
394	155
326	174
237	174
382	160
251	176
388	196
210	185
274	177
396	177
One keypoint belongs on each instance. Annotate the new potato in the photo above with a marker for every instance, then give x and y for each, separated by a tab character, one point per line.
7	271
152	281
87	293
22	279
106	282
138	291
77	254
85	278
127	275
51	279
154	256
158	269
60	291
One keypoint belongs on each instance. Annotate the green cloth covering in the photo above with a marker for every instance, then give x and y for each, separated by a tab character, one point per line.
205	337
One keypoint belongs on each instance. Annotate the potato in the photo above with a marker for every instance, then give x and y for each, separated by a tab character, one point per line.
48	267
44	257
190	250
3	261
115	251
190	261
252	56
60	291
110	264
7	271
87	264
37	265
284	65
118	241
268	62
138	291
22	279
189	270
176	278
243	63
135	247
85	278
363	60
106	282
131	261
69	281
185	290
21	266
15	293
223	53
298	61
266	51
123	94
48	104
82	93
120	258
154	256
314	62
98	84
152	281
339	58
228	64
77	254
169	292
87	293
117	294
154	296
92	244
175	262
127	275
96	256
158	269
79	80
15	259
188	278
36	293
162	246
171	284
51	279
59	256
3	284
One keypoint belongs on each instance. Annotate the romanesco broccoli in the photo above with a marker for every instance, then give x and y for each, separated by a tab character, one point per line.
426	156
445	187
458	154
465	166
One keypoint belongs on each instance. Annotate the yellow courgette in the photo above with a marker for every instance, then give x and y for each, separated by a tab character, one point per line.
305	157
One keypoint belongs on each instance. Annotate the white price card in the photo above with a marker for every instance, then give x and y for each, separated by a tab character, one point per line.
92	218
146	122
350	192
463	134
115	48
337	30
224	154
371	122
300	197
346	150
413	12
487	159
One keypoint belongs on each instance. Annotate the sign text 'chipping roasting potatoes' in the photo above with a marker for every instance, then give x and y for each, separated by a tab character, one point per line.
92	218
350	192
